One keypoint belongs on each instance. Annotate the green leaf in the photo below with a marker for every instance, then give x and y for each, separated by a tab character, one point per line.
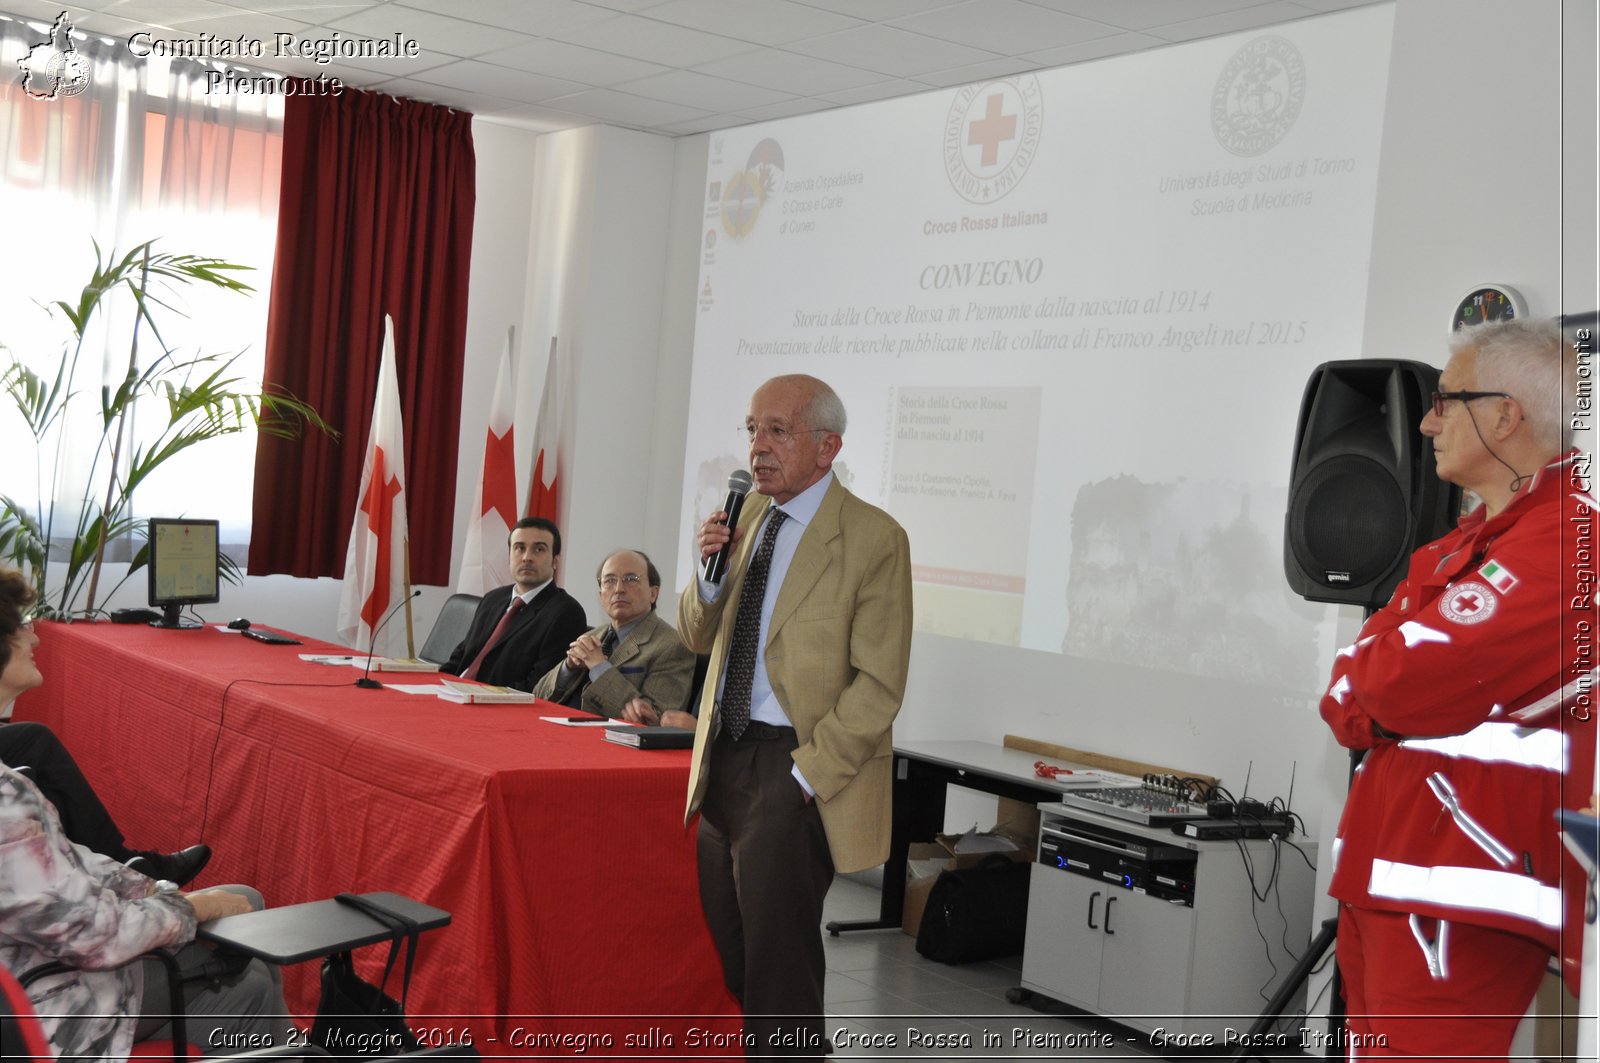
189	399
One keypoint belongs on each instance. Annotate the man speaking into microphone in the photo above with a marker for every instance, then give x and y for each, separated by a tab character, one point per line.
809	635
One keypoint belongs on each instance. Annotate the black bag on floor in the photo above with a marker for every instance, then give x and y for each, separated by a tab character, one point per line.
356	1018
976	913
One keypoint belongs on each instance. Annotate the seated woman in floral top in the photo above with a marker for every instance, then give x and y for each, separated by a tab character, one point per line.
60	901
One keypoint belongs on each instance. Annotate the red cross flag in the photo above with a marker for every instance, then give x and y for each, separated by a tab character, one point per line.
544	487
375	577
494	510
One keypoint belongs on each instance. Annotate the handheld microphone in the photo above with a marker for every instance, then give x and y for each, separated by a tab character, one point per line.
739	484
366	682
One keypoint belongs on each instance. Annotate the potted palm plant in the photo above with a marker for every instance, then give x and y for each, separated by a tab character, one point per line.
182	399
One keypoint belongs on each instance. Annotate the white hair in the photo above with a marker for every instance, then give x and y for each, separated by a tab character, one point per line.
1530	361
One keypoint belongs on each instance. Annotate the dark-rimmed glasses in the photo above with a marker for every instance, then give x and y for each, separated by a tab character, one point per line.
1442	397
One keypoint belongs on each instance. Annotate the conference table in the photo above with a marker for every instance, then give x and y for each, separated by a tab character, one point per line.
562	858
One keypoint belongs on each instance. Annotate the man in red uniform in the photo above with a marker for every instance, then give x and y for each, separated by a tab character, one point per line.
1471	692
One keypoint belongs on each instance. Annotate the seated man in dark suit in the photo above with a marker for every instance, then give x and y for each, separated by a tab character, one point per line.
634	666
523	630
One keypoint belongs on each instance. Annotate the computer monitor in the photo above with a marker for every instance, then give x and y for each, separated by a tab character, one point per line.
184	568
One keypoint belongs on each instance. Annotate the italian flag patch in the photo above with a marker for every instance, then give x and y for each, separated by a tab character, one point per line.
1498	576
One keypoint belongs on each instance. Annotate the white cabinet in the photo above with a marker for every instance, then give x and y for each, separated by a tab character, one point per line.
1104	936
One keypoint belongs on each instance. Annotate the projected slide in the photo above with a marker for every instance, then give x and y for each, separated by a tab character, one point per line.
1071	315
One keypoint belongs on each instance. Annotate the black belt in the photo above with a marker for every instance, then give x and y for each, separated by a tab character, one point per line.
757	731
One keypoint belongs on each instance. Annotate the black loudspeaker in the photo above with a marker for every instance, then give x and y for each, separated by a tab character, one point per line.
1363	493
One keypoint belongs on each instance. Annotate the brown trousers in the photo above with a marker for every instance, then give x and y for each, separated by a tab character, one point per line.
764	871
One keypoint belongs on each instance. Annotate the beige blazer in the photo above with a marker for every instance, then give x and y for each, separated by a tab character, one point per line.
836	653
651	663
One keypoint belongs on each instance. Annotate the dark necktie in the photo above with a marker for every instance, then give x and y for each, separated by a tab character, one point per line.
745	644
494	638
608	644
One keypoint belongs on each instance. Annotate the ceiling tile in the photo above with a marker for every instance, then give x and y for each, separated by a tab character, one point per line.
802	75
771	22
306	48
558	59
538	17
881	90
1142	14
703	91
630	6
987	70
1001	25
786	109
1231	22
460	99
893	52
37	11
703	125
501	81
879	10
1337	5
165	12
536	117
43	13
453	36
609	105
659	42
304	10
1116	44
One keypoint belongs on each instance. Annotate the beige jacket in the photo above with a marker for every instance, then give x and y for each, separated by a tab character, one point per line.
836	654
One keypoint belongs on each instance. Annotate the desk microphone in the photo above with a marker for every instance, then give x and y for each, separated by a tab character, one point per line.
366	682
739	484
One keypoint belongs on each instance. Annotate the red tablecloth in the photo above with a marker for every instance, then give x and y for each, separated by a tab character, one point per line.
562	857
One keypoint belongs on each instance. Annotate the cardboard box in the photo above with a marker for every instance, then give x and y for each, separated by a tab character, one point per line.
1019	821
926	860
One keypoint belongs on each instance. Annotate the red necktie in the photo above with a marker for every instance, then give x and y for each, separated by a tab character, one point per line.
494	638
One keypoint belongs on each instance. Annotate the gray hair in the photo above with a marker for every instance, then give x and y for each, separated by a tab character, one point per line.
1530	361
824	409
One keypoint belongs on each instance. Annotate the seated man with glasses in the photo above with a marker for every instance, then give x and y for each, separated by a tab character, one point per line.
1471	693
633	667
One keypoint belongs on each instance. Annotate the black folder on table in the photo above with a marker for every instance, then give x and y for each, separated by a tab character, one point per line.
651	737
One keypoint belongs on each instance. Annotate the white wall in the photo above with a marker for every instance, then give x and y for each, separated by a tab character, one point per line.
598	241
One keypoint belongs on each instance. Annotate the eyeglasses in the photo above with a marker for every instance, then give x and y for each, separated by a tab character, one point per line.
632	579
1442	397
779	435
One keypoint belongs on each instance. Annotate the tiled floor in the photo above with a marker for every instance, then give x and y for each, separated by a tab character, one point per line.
884	1001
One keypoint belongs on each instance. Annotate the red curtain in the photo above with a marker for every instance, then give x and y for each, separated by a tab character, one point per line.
375	217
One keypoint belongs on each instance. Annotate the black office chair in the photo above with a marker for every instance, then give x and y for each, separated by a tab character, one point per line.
176	1047
451	627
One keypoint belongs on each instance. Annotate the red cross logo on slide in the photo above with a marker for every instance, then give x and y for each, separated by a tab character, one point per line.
990	131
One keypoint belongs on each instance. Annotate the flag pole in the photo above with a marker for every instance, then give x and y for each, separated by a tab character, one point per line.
405	578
